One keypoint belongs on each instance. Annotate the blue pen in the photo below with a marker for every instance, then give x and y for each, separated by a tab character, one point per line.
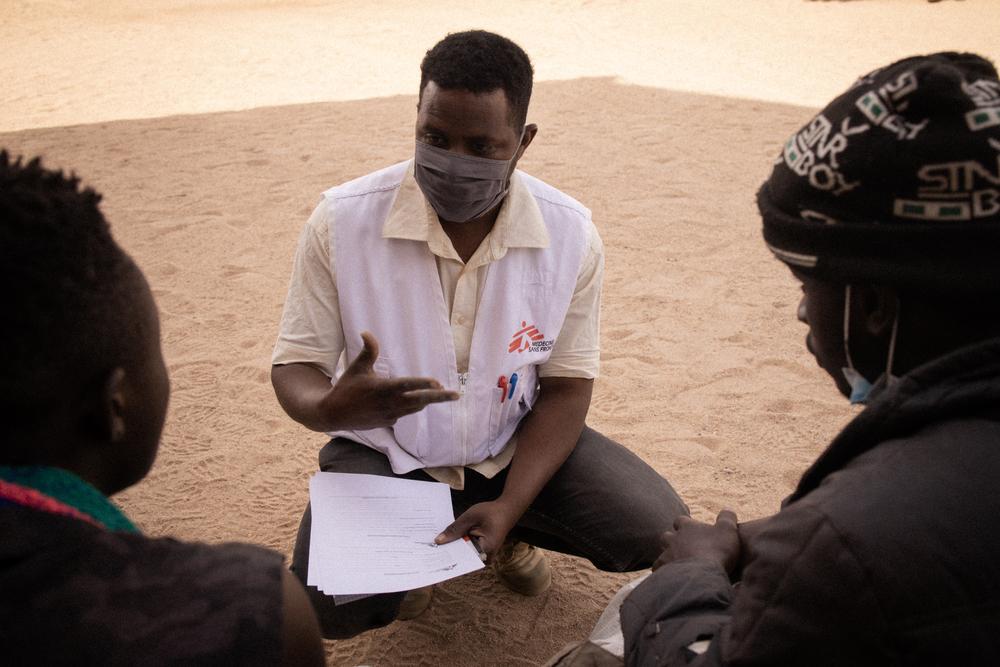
512	383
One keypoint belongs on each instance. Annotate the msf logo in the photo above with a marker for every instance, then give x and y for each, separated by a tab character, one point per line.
529	338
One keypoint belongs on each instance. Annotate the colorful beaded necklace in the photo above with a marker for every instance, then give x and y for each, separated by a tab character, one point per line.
58	491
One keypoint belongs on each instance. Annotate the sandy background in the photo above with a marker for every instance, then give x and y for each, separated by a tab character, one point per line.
211	128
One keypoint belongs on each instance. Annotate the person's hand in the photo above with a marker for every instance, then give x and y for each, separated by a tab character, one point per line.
718	542
749	530
361	399
488	522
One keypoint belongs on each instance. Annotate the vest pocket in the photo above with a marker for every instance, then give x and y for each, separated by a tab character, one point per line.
496	412
506	415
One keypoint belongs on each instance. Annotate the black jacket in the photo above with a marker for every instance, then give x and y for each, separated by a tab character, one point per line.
75	594
887	553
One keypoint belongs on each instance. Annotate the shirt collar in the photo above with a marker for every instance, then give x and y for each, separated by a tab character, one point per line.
519	224
59	491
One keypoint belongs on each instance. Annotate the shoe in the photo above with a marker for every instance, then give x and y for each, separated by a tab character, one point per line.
415	603
522	568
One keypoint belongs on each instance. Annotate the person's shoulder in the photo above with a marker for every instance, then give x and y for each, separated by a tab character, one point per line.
549	197
921	469
149	601
931	488
189	570
381	180
228	597
173	554
210	571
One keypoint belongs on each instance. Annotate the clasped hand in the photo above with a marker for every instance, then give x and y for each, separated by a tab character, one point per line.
718	542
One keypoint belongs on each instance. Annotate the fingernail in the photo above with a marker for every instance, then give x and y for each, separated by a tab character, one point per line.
439	539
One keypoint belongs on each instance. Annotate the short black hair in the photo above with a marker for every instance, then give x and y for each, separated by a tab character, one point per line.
67	294
481	62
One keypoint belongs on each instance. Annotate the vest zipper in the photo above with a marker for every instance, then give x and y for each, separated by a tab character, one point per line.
463	379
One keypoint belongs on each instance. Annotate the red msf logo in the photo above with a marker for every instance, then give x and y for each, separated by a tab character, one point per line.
523	339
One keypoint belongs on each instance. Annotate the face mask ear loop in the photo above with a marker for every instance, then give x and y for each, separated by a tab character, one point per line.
510	169
860	386
847	326
889	377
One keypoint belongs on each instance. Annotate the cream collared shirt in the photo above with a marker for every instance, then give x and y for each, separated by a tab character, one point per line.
311	330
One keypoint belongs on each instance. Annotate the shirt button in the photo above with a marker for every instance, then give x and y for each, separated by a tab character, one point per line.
461	319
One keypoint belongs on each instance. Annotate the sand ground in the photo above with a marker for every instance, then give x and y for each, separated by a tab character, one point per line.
212	127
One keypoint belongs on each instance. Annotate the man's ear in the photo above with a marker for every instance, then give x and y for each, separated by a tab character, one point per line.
878	306
530	130
108	417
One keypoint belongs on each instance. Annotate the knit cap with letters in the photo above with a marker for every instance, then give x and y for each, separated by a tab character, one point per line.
897	181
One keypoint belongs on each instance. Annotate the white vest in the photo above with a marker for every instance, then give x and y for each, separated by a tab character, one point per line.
391	287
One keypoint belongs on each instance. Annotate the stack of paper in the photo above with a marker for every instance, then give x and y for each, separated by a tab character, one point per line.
373	534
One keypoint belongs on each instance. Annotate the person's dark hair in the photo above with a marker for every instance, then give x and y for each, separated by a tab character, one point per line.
481	62
68	303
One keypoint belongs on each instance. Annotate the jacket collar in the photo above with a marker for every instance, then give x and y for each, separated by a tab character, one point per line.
962	384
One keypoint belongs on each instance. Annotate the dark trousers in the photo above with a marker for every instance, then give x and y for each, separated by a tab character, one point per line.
604	504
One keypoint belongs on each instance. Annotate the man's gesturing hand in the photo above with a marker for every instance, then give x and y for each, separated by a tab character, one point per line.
692	539
361	399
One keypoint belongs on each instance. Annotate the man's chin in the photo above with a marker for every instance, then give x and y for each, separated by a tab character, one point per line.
841	382
837	375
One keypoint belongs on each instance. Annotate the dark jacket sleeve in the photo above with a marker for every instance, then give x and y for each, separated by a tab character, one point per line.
805	599
680	603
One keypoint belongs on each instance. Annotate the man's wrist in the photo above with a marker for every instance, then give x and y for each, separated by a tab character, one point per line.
324	415
510	507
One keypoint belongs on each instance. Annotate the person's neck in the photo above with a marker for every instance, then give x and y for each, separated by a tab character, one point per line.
466	237
940	335
55	490
58	449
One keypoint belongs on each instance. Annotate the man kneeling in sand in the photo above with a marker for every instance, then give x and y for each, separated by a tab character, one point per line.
83	396
465	296
886	207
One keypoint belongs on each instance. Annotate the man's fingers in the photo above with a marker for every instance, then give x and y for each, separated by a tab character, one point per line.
406	384
366	358
681	521
457	529
413	394
369	353
666	542
415	401
727	518
421	397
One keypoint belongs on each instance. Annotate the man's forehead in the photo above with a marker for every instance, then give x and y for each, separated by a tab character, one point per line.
465	110
437	98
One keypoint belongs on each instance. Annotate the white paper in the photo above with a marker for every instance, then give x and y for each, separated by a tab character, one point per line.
373	534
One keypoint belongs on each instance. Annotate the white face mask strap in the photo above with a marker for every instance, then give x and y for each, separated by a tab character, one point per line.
510	162
892	345
891	357
847	326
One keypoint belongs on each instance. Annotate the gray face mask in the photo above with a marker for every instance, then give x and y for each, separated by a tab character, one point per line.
460	187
